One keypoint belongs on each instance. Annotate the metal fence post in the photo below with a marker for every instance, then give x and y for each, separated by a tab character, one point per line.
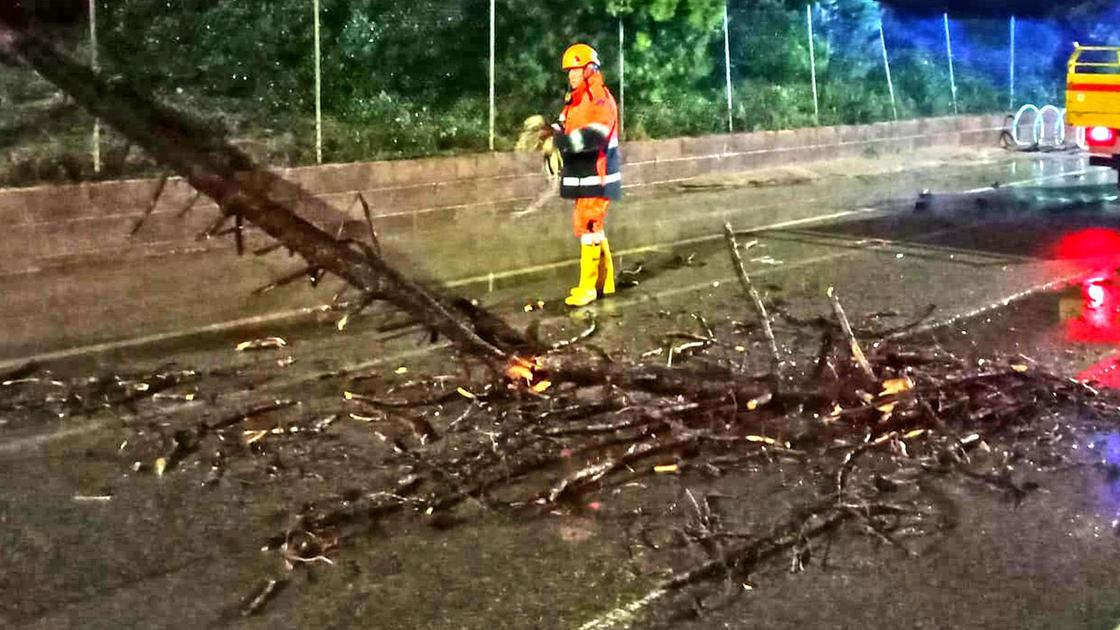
318	90
727	69
813	64
1011	68
621	78
96	140
949	53
492	75
887	67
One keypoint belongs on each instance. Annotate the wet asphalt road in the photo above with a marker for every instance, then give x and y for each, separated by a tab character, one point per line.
169	553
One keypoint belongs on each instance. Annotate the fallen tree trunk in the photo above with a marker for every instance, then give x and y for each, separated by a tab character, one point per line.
228	176
246	192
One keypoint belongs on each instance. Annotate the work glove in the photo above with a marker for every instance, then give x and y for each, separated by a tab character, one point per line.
549	131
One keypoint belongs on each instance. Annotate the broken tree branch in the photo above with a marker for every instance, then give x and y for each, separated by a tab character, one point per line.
363	302
287	279
150	208
238	235
373	242
215	226
756	299
853	343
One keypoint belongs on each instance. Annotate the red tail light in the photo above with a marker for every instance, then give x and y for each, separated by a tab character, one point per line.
1094	293
1099	318
1101	137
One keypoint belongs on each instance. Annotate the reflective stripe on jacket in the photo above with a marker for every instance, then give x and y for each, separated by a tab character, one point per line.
592	163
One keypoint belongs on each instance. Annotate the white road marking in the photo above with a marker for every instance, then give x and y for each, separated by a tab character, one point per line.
998	304
20	445
1024	182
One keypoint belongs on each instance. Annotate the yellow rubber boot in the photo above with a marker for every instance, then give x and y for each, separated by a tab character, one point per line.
585	292
606	270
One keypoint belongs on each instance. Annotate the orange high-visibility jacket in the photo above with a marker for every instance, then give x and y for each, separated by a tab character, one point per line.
592	162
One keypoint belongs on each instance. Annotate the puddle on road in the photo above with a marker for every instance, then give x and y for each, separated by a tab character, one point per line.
1073	329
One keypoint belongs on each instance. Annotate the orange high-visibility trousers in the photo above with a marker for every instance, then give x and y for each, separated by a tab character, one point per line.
589	215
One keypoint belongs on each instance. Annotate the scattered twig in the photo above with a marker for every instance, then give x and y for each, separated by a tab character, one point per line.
238	235
150	207
373	242
310	271
242	416
268	249
364	301
756	300
264	343
262	596
853	343
587	333
99	498
595	472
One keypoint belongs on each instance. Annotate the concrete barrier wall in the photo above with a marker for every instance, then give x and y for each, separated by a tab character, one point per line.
71	274
50	225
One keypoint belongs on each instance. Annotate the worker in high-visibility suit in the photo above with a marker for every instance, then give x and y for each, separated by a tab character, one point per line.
587	137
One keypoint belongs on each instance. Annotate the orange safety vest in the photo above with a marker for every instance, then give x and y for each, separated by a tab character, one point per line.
592	162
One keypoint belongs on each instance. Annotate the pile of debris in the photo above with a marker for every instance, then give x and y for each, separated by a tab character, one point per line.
864	427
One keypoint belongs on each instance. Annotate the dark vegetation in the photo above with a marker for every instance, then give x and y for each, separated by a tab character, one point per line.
410	79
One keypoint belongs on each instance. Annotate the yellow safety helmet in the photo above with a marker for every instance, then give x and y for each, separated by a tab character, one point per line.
578	56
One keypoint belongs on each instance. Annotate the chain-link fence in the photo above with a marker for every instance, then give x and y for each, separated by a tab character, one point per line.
297	82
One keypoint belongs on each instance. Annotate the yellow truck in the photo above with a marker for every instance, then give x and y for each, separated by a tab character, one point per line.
1093	100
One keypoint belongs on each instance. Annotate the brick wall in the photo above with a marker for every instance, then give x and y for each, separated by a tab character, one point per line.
71	275
50	225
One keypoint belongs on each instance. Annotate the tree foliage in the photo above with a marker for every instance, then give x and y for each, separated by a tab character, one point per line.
410	78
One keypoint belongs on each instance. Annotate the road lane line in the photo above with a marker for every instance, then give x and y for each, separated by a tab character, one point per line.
1024	182
998	304
31	442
